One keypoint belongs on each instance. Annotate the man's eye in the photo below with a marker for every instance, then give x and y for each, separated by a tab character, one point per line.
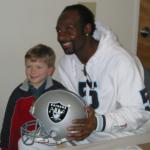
58	30
70	27
28	67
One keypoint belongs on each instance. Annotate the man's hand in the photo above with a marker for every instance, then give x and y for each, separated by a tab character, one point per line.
82	128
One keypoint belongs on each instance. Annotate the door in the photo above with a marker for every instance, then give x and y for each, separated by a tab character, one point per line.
143	51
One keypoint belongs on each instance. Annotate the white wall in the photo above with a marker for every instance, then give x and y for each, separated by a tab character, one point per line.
122	17
24	23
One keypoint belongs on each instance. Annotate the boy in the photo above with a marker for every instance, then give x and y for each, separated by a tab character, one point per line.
39	67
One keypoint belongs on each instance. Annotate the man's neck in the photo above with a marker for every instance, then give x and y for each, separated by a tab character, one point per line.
88	51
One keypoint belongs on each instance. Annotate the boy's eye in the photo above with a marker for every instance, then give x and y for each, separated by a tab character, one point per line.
39	67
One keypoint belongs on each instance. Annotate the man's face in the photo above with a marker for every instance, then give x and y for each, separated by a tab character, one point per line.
69	32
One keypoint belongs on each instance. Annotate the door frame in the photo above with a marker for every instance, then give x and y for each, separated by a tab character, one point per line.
135	28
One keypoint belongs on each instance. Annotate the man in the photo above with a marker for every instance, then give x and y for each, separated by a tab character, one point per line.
109	79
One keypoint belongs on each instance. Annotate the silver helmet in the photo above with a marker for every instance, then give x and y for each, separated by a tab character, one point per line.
54	112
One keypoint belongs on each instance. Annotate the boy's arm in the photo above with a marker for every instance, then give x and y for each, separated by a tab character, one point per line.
4	149
5	132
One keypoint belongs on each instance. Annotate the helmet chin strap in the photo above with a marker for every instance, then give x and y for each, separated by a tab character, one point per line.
30	140
49	141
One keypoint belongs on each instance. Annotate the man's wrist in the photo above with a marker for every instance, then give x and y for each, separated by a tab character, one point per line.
101	123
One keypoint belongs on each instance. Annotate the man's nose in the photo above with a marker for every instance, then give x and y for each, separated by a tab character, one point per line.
61	36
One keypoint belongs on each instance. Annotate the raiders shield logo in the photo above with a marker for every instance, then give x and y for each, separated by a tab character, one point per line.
57	112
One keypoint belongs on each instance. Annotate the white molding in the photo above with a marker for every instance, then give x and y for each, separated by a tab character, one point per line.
135	25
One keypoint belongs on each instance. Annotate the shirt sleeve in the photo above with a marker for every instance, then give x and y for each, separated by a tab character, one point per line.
131	113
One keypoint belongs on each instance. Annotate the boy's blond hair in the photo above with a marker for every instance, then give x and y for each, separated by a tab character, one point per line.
41	51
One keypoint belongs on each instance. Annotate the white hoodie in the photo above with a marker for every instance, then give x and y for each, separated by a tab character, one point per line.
117	85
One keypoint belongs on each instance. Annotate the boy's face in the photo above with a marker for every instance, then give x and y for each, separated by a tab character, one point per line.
37	71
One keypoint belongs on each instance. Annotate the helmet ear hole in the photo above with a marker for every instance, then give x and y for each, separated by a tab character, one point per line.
54	111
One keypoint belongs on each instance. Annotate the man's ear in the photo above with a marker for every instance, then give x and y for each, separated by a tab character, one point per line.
87	29
51	71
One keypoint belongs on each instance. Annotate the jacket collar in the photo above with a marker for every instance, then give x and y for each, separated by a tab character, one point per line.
25	84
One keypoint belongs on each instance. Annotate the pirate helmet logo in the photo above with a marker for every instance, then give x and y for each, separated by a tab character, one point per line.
57	112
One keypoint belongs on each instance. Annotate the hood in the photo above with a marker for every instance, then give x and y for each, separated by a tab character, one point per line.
103	31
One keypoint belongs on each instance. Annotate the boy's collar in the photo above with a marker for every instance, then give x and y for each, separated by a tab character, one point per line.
25	84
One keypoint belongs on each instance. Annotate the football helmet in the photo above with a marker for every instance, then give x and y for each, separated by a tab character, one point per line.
53	112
